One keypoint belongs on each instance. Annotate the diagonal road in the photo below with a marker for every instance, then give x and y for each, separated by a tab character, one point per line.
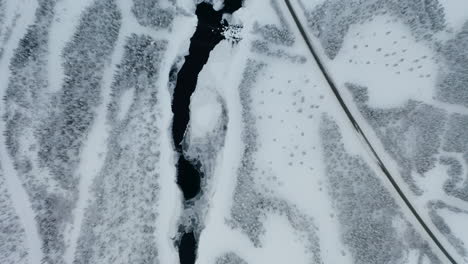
332	85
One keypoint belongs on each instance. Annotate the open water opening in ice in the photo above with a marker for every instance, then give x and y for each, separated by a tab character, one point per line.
207	35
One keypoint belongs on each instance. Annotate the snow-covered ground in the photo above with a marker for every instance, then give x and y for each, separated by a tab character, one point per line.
400	67
70	141
88	164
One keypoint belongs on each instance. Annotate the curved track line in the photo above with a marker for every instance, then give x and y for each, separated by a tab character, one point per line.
359	130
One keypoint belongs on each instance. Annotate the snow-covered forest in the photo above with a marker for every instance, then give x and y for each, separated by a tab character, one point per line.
234	132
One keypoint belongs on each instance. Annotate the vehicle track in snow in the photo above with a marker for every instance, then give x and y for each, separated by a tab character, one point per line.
358	129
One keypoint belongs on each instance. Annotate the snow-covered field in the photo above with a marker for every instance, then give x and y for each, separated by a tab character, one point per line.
401	68
292	170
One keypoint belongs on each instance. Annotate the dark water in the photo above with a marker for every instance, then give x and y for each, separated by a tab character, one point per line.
206	37
188	178
187	248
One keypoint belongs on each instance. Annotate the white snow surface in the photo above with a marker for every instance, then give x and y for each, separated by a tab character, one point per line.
408	95
87	160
